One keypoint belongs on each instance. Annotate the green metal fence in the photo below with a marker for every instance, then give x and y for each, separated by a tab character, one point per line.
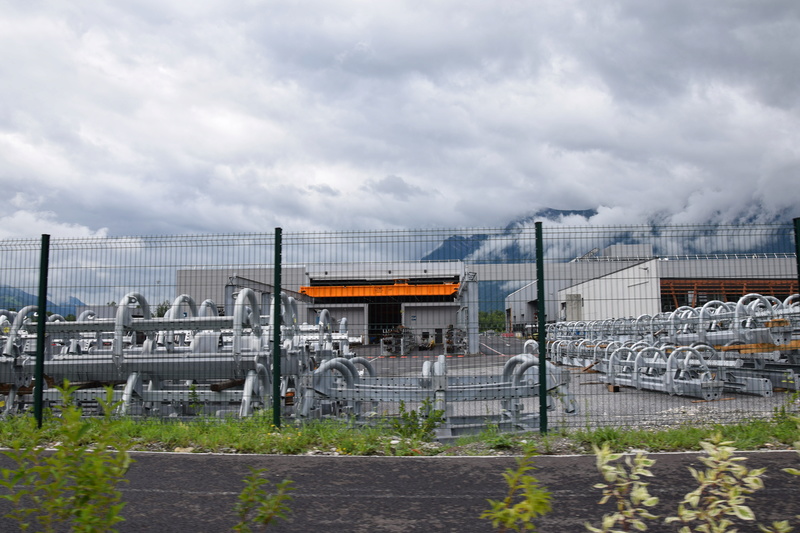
642	325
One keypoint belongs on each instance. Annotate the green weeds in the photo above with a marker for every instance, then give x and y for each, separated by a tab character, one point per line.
496	439
413	429
748	435
258	505
417	424
73	484
525	501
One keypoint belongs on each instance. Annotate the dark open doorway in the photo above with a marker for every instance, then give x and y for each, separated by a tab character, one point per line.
383	316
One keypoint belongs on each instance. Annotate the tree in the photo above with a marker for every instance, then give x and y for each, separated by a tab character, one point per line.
162	308
495	320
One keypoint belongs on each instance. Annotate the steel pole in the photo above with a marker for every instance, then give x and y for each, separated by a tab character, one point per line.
41	320
276	332
797	247
540	329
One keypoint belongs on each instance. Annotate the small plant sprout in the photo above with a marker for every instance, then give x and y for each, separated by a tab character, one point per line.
624	486
533	500
257	505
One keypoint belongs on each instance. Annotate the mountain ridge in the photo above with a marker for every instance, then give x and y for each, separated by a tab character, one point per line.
15	299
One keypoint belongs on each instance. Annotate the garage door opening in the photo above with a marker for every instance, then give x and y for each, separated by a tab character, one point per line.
382	317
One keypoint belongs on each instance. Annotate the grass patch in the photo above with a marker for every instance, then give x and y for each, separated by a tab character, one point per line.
336	437
748	435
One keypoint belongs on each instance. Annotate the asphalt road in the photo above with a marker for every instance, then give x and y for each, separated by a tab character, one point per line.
196	493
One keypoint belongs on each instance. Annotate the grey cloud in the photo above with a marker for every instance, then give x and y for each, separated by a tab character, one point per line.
325	190
392	186
160	117
649	51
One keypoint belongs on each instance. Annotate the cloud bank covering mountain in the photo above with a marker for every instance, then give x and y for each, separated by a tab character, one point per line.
153	118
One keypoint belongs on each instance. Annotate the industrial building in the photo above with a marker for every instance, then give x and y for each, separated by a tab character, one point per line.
429	298
629	280
432	297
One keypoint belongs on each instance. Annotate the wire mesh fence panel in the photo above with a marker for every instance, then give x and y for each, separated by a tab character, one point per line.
19	263
646	325
421	314
118	316
670	325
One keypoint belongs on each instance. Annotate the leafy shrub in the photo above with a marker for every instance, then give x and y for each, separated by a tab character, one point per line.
625	487
714	506
257	505
74	484
725	486
532	500
418	424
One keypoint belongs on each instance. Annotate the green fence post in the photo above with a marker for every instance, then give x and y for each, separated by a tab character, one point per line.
540	328
797	247
276	333
41	320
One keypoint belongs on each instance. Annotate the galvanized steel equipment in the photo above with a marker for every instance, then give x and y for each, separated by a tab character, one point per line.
750	346
167	366
194	362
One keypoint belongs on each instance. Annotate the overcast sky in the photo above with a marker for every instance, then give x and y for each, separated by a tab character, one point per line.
158	117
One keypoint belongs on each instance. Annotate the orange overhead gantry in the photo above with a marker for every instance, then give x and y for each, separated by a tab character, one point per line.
367	291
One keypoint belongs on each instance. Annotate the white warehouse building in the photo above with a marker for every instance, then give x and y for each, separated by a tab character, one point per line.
628	280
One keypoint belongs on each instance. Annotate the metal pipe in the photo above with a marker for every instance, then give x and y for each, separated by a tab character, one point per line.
123	321
341	367
367	365
86	315
508	368
208	308
241	315
13	333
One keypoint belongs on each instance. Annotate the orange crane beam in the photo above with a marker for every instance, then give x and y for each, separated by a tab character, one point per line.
366	291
